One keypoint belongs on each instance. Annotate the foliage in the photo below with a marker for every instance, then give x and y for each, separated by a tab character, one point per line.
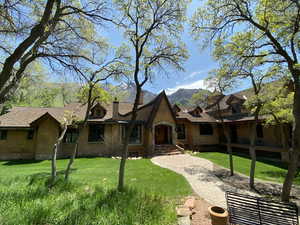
153	29
278	105
59	34
98	93
200	98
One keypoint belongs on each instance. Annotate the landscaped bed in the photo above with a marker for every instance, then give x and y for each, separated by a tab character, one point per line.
266	169
90	196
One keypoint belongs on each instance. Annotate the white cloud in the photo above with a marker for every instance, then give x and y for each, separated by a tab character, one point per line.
194	85
196	73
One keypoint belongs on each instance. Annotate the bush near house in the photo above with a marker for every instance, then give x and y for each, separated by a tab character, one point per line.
90	197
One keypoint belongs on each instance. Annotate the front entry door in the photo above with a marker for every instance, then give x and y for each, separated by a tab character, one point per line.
163	134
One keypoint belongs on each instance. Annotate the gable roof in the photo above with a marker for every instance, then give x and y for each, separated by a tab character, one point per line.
156	104
148	111
22	117
184	113
224	101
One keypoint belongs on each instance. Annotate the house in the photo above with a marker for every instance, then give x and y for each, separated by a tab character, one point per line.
30	133
239	121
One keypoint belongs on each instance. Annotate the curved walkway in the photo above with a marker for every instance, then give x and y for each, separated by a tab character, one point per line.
199	173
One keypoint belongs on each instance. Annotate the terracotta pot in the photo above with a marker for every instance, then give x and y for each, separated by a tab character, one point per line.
218	215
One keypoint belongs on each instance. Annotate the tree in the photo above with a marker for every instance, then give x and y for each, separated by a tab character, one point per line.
234	68
68	119
278	110
92	92
221	81
47	96
153	29
200	98
275	26
57	33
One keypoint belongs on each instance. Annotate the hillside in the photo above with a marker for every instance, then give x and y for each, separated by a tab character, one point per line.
49	94
182	96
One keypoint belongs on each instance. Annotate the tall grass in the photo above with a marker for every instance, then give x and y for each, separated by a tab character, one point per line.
29	201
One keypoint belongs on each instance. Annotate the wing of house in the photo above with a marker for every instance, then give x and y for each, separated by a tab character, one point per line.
30	133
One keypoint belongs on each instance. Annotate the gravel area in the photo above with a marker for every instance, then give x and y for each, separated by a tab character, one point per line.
210	181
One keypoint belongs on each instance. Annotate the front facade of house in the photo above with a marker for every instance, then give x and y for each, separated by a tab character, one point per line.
30	133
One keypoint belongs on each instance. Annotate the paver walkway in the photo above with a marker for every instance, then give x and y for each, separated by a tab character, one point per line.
199	173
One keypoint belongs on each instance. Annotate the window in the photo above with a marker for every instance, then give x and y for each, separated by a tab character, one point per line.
3	134
96	133
259	131
235	108
180	128
30	134
206	129
71	136
136	135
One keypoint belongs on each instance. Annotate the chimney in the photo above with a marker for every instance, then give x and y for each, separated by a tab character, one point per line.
141	100
115	113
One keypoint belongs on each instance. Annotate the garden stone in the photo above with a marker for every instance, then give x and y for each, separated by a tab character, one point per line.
183	212
190	203
184	220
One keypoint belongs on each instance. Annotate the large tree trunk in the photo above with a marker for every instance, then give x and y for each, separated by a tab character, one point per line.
80	130
229	149
285	156
228	140
293	164
56	146
37	31
126	140
252	152
71	161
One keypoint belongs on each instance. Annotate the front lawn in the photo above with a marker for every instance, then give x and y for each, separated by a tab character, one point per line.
265	169
90	196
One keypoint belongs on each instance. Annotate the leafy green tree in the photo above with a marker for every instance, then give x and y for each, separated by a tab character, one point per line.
118	92
68	119
153	29
222	82
234	68
92	91
99	94
47	97
57	33
274	36
278	109
200	98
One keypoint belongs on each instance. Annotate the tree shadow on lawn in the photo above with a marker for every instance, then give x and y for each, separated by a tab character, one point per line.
77	203
271	161
20	162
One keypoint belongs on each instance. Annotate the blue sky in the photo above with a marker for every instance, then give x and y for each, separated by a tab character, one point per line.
196	67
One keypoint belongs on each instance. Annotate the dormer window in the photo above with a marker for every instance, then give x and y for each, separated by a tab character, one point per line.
98	111
176	109
196	112
235	108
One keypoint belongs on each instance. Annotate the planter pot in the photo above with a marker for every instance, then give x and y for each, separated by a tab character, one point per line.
218	215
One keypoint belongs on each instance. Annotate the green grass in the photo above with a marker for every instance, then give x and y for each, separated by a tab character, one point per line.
266	169
90	196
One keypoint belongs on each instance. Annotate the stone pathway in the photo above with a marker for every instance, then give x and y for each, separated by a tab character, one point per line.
207	179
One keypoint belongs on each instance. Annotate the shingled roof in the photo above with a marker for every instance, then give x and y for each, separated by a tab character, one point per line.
183	113
22	117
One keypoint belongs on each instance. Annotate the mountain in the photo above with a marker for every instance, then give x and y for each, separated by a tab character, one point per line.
148	96
182	96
